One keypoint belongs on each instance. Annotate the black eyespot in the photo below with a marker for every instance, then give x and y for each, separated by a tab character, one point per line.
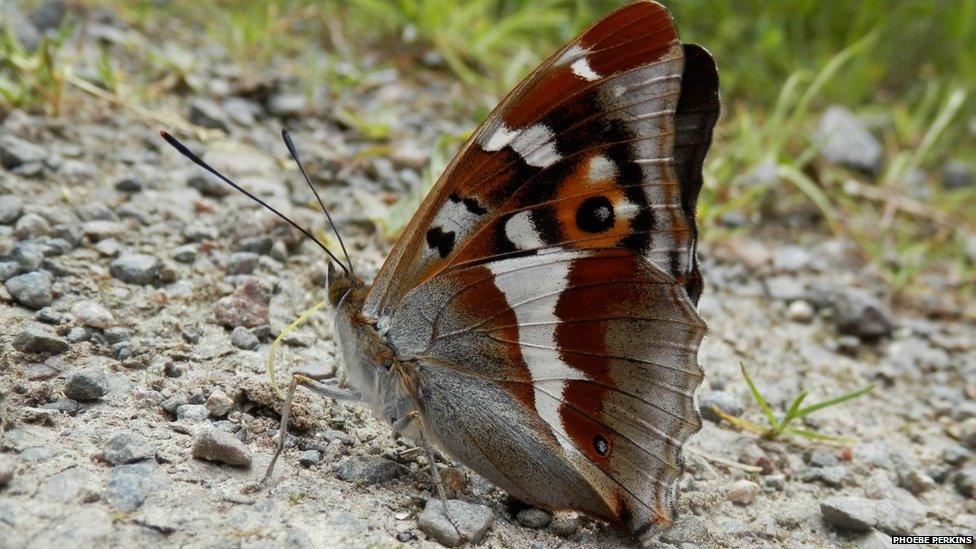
601	445
441	241
595	215
474	206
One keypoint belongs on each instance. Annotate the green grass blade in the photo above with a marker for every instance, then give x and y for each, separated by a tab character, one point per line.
763	405
791	412
835	401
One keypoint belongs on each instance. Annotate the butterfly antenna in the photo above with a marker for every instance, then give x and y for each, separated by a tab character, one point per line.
294	154
199	162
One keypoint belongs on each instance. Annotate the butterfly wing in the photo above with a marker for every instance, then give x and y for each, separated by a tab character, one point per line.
576	371
585	152
545	290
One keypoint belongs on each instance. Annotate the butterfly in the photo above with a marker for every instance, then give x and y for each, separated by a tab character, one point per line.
536	319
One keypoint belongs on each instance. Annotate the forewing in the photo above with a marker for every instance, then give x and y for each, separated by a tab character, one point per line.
582	154
597	348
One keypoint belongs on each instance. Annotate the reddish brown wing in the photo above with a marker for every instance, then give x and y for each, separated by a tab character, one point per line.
581	154
581	364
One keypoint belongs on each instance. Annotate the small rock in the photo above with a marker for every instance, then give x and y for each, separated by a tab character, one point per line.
15	152
38	454
753	455
956	454
287	105
743	492
242	338
117	334
958	175
918	482
78	334
196	232
860	314
186	253
221	447
821	458
32	290
309	458
967	433
847	142
965	482
319	369
126	448
219	404
242	263
109	247
100	230
534	518
208	185
173	403
725	401
369	470
831	476
468	522
849	513
128	185
247	306
774	483
129	485
36	338
31	226
192	412
260	245
8	270
87	385
11	208
48	315
800	311
208	114
91	313
135	269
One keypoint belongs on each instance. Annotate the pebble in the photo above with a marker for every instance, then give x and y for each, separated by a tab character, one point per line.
11	208
287	105
752	454
208	114
260	245
128	185
100	229
15	152
7	466
135	269
109	247
208	185
468	523
8	270
129	485
77	334
956	454
565	526
847	142
32	290
219	404
831	476
534	518
743	492
965	482
367	470
247	306
172	404
38	454
185	254
31	226
221	447
242	338
48	315
37	338
918	482
91	313
197	232
117	334
860	314
125	448
242	263
308	458
800	311
192	412
86	385
725	401
861	514
821	458
967	433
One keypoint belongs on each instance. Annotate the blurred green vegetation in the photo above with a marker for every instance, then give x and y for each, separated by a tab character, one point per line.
909	66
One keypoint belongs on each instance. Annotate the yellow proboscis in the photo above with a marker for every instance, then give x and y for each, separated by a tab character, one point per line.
274	346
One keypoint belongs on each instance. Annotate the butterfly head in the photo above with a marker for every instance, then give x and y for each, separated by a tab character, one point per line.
339	283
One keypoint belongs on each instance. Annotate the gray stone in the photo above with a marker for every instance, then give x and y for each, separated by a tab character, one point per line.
48	315
64	405
800	311
468	522
287	105
135	269
725	401
221	447
100	230
821	458
242	111
958	175
38	454
686	529
32	290
219	404
128	185
369	470
743	492
85	526
260	245
197	232
86	385
117	334
861	514
242	338
344	438
965	481
831	476
36	338
48	15
91	313
534	518
208	114
8	270
309	458
109	247
208	185
11	207
186	253
318	369
917	482
967	433
242	263
173	403
31	226
15	152
128	486
847	142
860	314
785	287
192	412
127	448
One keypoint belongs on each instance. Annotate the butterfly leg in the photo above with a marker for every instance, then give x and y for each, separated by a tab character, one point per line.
326	390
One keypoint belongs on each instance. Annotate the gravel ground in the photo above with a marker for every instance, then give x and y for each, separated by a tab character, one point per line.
139	300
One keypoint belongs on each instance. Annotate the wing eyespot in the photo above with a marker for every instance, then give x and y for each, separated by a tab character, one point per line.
595	215
601	445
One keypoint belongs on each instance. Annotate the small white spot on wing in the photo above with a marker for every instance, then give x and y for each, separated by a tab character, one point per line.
601	169
573	52
535	146
521	231
499	139
581	67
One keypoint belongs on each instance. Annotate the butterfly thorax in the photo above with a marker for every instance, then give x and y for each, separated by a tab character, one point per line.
368	360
